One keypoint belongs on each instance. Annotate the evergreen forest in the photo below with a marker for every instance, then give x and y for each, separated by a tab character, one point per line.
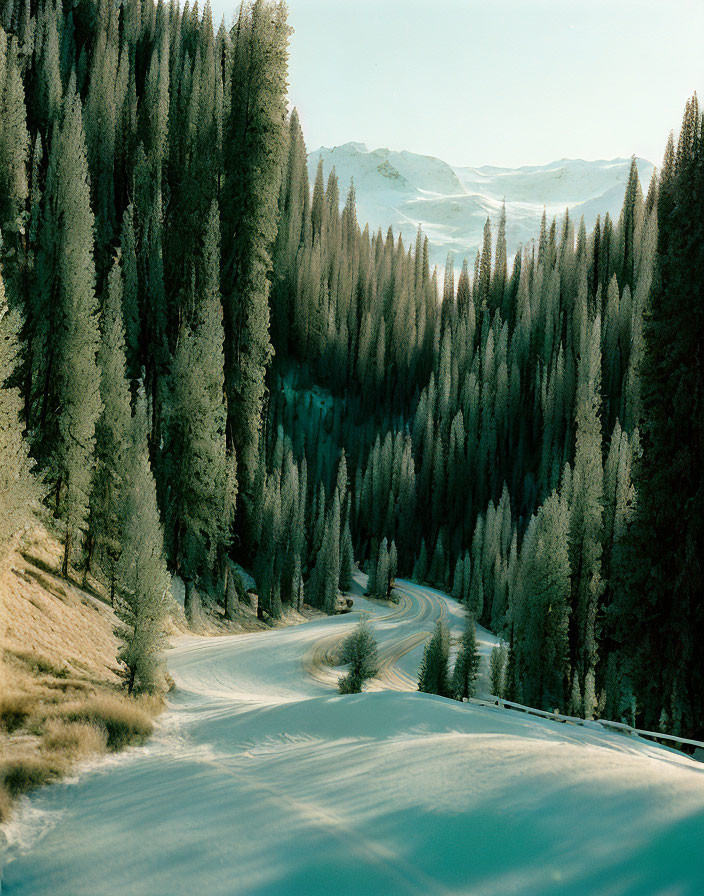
207	359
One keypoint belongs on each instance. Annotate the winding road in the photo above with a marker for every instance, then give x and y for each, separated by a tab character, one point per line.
262	779
401	629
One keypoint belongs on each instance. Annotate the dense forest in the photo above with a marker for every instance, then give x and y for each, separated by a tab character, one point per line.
204	359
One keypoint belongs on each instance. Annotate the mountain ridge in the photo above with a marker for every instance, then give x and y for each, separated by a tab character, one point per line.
402	190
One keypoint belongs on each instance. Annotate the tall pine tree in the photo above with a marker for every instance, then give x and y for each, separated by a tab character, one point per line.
65	367
255	138
660	613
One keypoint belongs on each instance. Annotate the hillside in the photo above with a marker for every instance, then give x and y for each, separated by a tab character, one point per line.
403	189
62	698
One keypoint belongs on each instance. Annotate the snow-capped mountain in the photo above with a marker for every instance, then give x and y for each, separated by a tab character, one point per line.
403	190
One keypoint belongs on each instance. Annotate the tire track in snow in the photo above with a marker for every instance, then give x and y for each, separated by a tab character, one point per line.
405	879
416	605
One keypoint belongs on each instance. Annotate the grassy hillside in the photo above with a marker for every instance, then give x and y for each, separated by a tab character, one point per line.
61	695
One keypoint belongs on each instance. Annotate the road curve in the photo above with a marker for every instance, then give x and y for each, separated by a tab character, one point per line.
219	681
263	780
401	628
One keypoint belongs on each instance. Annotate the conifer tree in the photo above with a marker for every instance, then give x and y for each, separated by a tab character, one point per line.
294	203
326	575
131	309
267	566
484	282
19	490
511	685
458	579
111	438
589	700
542	616
420	568
660	610
360	651
100	117
371	567
14	140
585	528
631	216
297	588
497	668
575	706
253	164
476	593
381	572
464	292
464	675
143	578
65	368
476	590
346	559
434	676
499	274
393	564
619	506
202	481
437	566
49	87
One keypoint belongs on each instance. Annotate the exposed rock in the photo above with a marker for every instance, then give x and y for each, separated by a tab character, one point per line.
343	604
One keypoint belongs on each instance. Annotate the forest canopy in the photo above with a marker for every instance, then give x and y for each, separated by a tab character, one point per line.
206	358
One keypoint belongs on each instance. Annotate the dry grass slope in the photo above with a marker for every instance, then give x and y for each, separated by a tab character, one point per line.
61	698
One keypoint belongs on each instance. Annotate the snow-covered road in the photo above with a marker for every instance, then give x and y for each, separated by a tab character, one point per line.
261	779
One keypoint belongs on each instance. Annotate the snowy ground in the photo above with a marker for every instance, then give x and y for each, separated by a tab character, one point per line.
263	780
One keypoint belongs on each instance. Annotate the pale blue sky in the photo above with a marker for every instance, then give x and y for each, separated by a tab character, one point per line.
503	82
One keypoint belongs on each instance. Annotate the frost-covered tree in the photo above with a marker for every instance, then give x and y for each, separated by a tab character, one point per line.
14	139
346	559
66	328
542	612
466	669
202	484
381	580
360	651
586	507
659	611
497	669
326	574
254	141
144	581
111	438
434	675
19	490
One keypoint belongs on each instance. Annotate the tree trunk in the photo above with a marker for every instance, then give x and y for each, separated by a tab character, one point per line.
45	392
191	603
67	553
57	505
187	600
231	601
89	559
223	577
